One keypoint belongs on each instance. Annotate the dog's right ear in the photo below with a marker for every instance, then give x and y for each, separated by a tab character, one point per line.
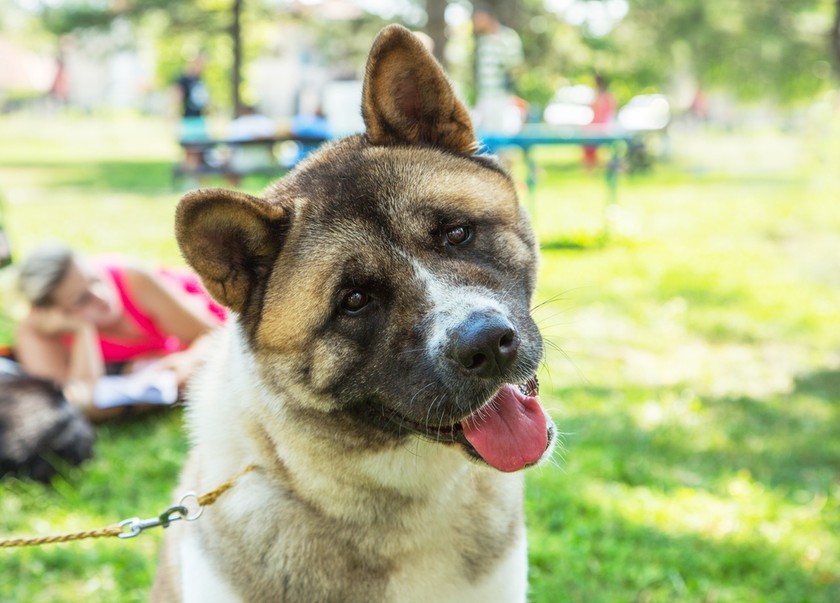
407	98
230	239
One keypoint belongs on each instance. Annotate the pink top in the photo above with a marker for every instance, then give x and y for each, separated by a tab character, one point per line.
152	342
603	108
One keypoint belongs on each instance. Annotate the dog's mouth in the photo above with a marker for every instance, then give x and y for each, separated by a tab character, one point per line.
509	431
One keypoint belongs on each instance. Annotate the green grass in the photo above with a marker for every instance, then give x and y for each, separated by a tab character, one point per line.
693	365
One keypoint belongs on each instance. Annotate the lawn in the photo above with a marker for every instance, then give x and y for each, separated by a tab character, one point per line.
693	366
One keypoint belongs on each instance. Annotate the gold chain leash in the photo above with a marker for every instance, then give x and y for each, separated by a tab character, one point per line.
129	528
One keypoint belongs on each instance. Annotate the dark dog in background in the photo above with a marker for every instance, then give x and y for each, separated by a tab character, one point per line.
39	429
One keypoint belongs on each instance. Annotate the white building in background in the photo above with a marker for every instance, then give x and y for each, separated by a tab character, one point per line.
279	77
23	71
109	70
101	70
289	79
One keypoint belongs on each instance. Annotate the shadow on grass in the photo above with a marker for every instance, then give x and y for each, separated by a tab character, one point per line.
575	244
823	383
583	551
784	442
131	176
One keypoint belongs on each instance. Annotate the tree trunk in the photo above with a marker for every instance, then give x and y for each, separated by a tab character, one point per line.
835	37
236	69
436	26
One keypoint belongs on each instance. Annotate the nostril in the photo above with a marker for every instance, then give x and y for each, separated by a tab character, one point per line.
475	362
507	340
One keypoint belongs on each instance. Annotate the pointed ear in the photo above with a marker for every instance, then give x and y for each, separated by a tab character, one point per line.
230	239
407	98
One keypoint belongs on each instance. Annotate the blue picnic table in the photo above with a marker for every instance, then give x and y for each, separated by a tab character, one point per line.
536	135
530	137
616	139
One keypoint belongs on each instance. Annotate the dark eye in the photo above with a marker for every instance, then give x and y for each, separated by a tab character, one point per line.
457	235
354	301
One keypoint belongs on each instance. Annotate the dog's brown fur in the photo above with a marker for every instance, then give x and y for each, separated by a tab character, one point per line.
348	503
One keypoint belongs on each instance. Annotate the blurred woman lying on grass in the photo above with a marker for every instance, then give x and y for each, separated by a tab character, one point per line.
92	317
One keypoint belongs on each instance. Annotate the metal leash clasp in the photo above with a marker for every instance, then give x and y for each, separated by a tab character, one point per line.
134	526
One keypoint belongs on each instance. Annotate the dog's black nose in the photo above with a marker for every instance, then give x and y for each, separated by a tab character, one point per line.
484	344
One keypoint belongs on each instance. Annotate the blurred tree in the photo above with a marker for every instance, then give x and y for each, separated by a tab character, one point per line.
343	45
436	26
236	68
835	37
757	49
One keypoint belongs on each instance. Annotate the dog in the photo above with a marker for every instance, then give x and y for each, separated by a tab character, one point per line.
40	432
378	368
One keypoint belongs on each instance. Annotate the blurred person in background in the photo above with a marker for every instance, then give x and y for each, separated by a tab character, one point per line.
498	55
60	88
193	100
250	125
92	316
603	112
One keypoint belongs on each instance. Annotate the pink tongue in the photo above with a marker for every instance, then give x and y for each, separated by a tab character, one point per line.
510	432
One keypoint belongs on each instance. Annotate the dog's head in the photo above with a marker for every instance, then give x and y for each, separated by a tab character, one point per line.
388	278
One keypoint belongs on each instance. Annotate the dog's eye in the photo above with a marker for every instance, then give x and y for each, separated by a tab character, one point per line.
354	301
457	235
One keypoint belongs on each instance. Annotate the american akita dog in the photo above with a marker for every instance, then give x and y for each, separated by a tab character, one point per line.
378	368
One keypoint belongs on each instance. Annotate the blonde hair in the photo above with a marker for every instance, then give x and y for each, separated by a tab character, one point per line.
42	271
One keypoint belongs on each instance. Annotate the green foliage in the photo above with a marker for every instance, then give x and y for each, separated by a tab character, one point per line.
691	364
757	50
67	17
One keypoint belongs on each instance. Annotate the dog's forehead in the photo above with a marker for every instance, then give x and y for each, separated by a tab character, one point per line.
395	191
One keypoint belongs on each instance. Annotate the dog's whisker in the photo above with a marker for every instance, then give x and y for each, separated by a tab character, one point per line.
412	351
440	404
548	327
429	411
561	296
419	391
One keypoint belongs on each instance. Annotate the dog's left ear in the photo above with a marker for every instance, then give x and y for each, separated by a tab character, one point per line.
230	239
407	98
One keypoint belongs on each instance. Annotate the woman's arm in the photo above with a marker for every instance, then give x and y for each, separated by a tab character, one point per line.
86	362
175	313
42	353
172	310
